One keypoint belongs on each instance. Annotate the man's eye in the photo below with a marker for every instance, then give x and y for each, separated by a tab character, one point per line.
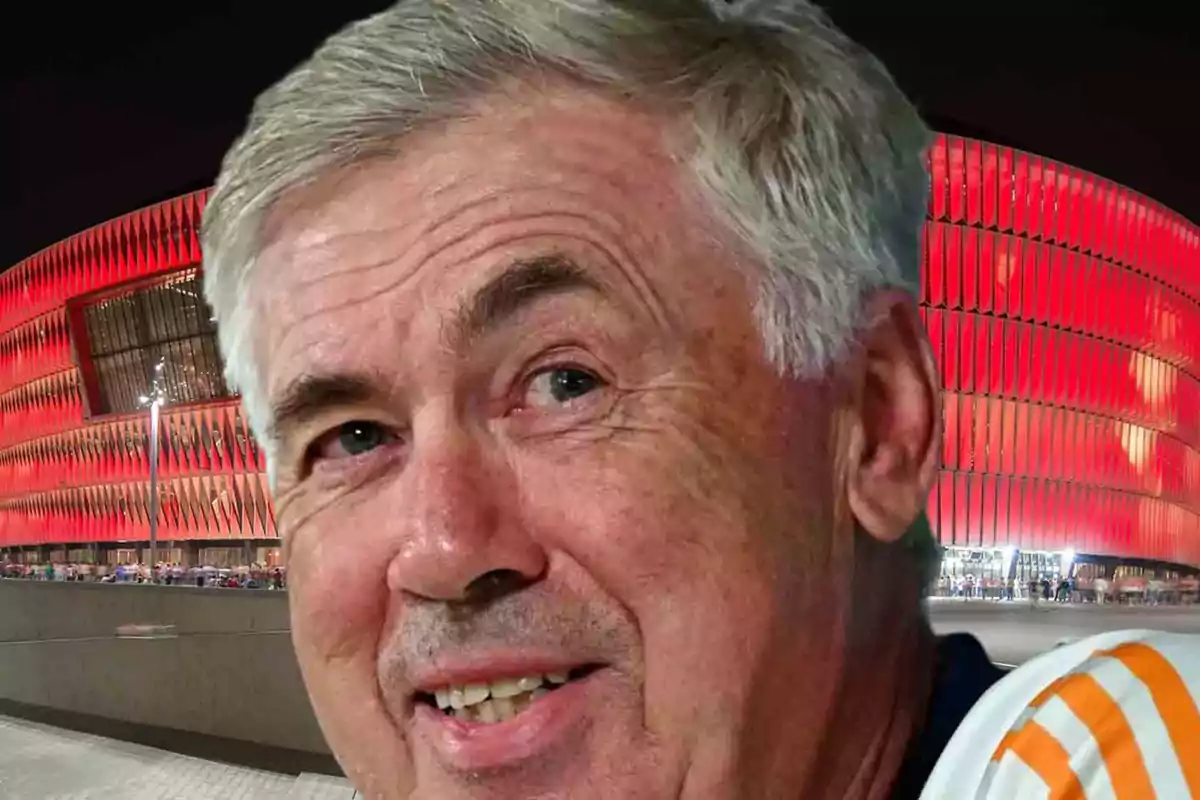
351	439
556	386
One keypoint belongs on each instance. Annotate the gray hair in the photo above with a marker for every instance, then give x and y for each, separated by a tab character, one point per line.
801	141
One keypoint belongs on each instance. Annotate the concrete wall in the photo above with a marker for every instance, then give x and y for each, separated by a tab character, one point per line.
40	610
230	671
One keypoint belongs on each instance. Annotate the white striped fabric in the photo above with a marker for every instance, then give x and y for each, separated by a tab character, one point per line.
1112	717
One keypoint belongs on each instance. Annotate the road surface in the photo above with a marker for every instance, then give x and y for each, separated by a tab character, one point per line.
1013	632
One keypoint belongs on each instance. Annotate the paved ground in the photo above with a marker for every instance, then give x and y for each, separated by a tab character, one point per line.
38	762
1014	632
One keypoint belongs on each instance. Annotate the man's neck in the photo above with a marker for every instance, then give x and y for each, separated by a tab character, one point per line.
886	680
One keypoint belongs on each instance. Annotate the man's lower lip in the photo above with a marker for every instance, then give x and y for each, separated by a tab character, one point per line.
472	746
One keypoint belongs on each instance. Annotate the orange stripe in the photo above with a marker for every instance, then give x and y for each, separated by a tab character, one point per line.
1005	745
1043	754
1048	692
1096	709
1174	702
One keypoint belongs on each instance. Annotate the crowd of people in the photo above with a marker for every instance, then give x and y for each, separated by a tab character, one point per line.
253	576
1060	589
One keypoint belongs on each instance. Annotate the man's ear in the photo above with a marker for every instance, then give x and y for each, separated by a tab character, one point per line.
895	414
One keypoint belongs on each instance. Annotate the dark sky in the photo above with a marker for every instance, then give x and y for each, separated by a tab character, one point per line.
107	107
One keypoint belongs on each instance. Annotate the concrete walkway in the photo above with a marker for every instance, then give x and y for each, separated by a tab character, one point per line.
1015	632
38	761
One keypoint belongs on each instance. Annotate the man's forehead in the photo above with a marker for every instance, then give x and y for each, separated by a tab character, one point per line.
372	231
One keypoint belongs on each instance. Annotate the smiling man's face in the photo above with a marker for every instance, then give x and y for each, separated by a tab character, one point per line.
555	526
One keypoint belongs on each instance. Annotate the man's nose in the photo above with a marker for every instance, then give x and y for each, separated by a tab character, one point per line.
462	526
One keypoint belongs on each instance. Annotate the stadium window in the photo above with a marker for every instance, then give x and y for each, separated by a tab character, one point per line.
128	335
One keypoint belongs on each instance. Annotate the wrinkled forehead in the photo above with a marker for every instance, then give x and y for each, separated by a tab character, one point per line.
521	174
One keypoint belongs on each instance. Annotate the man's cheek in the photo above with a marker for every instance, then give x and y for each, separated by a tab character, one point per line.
344	693
338	625
336	607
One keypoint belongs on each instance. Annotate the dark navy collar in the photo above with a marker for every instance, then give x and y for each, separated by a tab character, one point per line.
962	674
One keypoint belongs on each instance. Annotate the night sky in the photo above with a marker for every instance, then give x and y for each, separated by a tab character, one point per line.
104	110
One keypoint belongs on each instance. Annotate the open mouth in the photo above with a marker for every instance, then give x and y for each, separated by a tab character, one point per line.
499	700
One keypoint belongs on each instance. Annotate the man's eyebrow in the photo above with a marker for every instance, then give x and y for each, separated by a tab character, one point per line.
514	289
309	395
520	285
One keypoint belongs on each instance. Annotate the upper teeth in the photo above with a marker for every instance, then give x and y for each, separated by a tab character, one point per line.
458	697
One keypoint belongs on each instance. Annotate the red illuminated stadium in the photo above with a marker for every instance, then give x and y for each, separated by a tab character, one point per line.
1064	309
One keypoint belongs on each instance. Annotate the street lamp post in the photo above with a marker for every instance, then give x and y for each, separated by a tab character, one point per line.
155	400
154	407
